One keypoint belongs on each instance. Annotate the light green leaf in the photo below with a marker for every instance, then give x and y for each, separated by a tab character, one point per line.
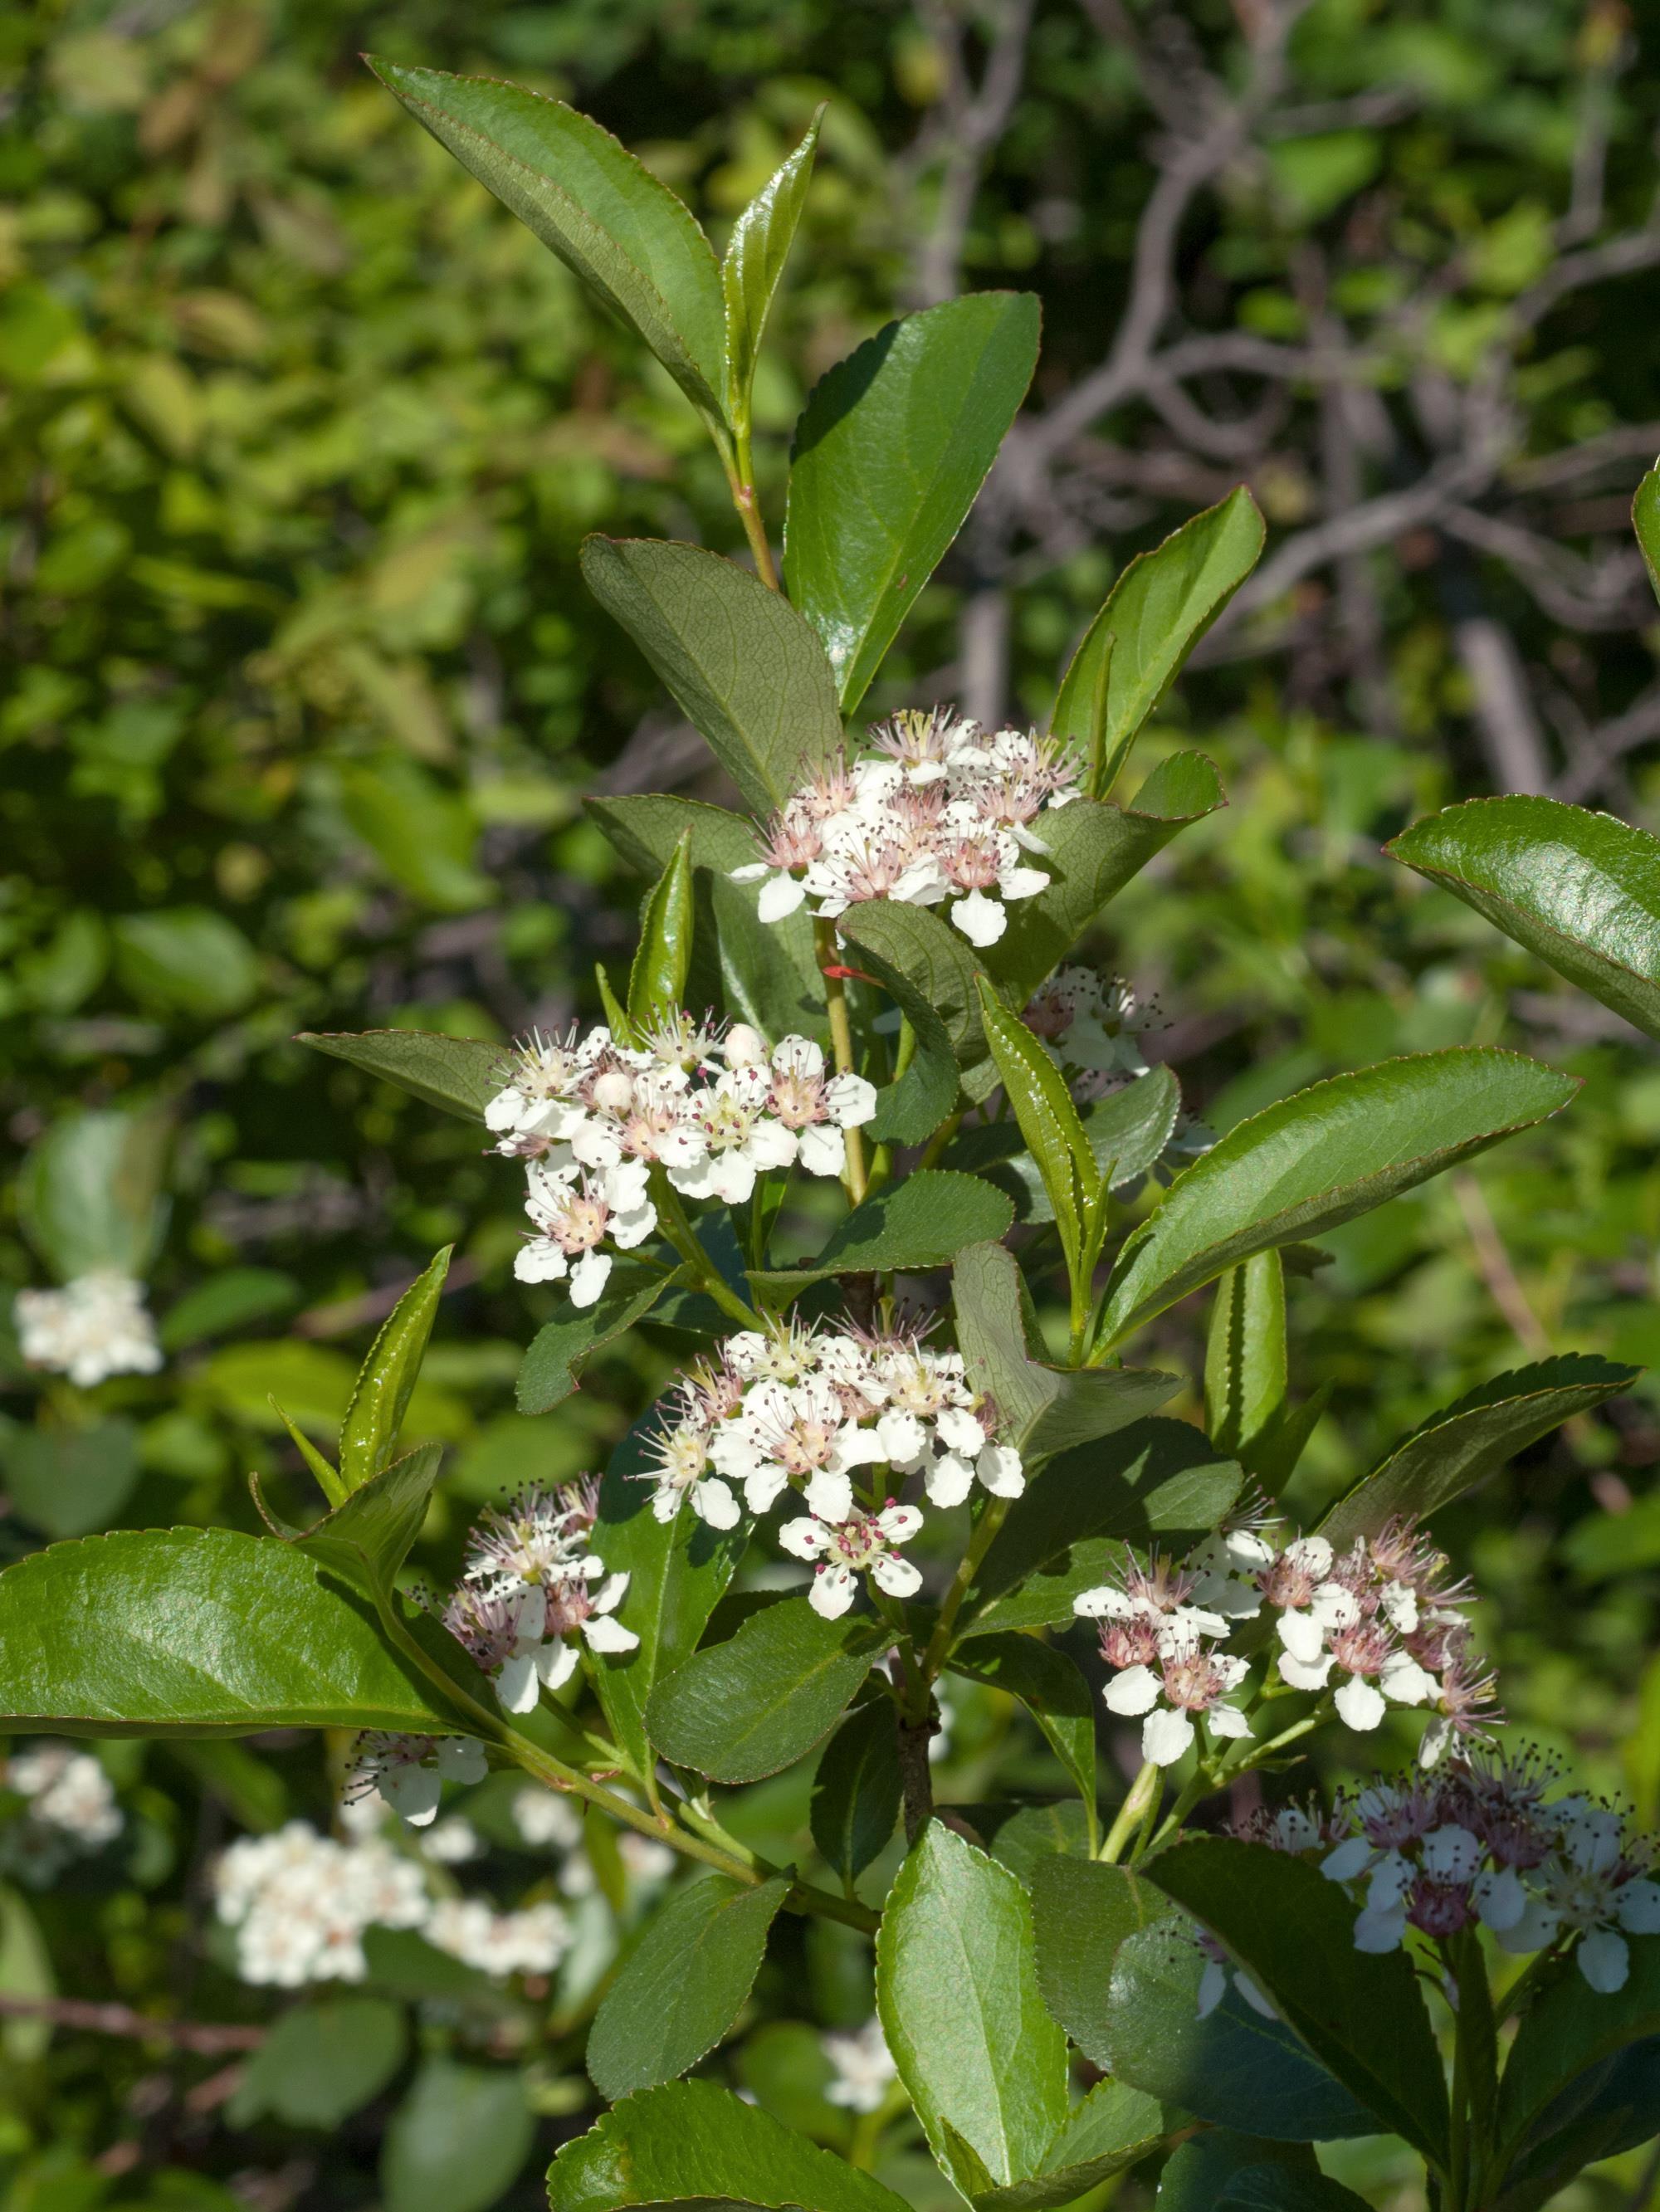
1245	1370
957	1991
1582	890
424	836
25	1972
1319	1158
1360	2014
185	960
1645	521
66	1482
742	665
924	962
921	1222
678	1572
560	1349
1126	1131
322	2061
461	1074
459	2139
755	258
858	1789
1156	1481
1094	850
1036	1091
90	1192
366	1540
893	446
1113	2128
764	973
1043	1409
1465	1443
586	197
657	979
1569	2029
1048	1685
695	2141
381	1395
760	1701
683	1986
195	1631
1154	616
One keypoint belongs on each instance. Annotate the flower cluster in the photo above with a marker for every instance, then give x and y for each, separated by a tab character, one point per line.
301	1904
95	1327
1376	1625
811	1410
533	1591
70	1812
940	812
593	1118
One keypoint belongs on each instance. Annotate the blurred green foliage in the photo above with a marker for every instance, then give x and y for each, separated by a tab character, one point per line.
301	435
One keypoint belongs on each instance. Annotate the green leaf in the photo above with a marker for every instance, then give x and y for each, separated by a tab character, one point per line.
1094	850
1154	616
764	973
381	1395
195	1631
657	979
25	1972
66	1482
90	1192
1113	2128
1610	2108
857	1789
1082	1913
1272	2189
1126	1131
911	1107
1245	1353
560	1349
586	197
743	666
678	1572
760	1701
1645	521
1568	2030
1048	1685
459	2139
1319	1158
907	1227
755	258
1360	2014
1049	1122
185	961
425	837
1197	2175
1043	1409
1156	1481
366	1540
683	1986
1465	1443
322	2061
893	446
956	1992
694	2141
924	962
1233	2067
461	1074
1582	890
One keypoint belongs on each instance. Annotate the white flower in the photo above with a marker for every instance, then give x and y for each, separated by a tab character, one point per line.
546	1817
1191	1678
410	1771
573	1220
95	1327
864	2069
863	1544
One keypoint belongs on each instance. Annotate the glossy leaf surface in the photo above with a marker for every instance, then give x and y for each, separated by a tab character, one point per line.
923	1222
754	262
386	1381
560	1349
459	1074
858	1789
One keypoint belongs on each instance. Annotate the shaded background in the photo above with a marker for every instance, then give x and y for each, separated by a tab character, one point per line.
301	435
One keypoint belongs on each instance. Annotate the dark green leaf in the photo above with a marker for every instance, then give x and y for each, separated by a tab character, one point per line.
1359	2013
893	448
381	1395
198	1632
956	1992
1272	2189
560	1349
1113	2128
90	1192
458	2140
1043	1409
1048	1120
683	1986
1581	890
1610	2108
923	961
657	981
1156	1481
754	262
1196	2176
461	1074
587	199
1019	1836
1051	1689
366	1540
1319	1158
1154	616
1568	2030
923	1222
322	2062
694	2142
760	1701
1245	1353
1126	1131
1094	850
857	1789
913	1106
743	666
1082	1913
66	1482
1465	1443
